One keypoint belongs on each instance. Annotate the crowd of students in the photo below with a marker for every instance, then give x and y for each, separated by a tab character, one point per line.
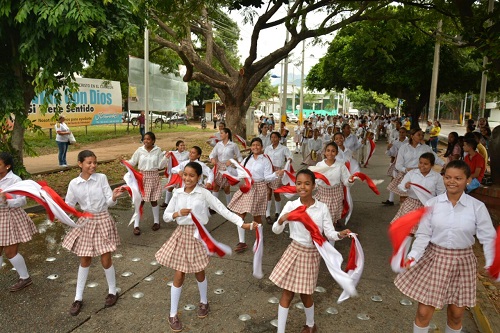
333	149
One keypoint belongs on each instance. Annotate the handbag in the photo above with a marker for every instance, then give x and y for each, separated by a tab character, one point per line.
72	139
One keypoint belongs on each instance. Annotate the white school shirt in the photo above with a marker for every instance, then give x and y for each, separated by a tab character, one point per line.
181	157
327	138
9	179
206	171
454	227
337	173
352	143
278	155
199	200
93	195
266	139
260	168
318	212
222	153
393	151
394	135
316	145
408	156
433	182
148	160
63	128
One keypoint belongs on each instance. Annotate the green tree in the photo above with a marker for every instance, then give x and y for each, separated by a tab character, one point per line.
199	92
264	90
45	43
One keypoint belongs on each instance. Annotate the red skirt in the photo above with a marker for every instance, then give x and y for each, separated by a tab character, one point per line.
152	186
15	226
182	252
253	202
333	197
442	276
298	269
98	236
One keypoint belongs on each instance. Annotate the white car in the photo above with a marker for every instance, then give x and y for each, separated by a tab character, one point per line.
291	118
276	116
257	114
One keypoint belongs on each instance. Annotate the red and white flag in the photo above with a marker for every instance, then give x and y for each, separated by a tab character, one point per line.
370	150
174	181
241	140
289	175
348	204
399	234
288	191
318	173
494	269
172	162
355	264
333	259
213	247
422	193
258	250
368	180
135	187
212	141
243	174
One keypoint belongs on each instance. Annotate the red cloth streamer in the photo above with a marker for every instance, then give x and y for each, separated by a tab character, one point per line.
322	177
137	175
494	269
299	214
232	180
372	149
173	163
348	165
61	203
345	208
421	187
175	179
36	198
212	245
291	175
368	181
351	262
258	250
286	189
241	140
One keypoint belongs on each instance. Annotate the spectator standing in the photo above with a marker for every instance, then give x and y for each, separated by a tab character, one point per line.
62	139
142	124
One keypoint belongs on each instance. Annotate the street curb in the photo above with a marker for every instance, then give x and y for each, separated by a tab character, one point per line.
484	313
69	167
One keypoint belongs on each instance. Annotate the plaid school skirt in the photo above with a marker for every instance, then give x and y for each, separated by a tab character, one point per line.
99	235
219	180
298	269
253	202
392	169
393	185
407	206
442	276
152	186
15	226
182	252
277	182
333	197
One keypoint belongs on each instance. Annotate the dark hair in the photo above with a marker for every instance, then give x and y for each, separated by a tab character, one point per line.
488	132
261	126
338	133
308	173
451	145
439	124
344	126
178	143
198	149
228	132
7	159
414	131
478	136
471	142
259	140
429	156
222	123
333	144
458	164
469	135
277	134
84	154
196	167
151	135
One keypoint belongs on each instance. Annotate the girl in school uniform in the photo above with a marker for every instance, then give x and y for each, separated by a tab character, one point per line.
337	174
392	152
407	159
223	151
255	200
182	251
427	178
279	155
15	225
315	145
149	159
297	137
194	156
344	154
445	269
99	235
180	155
297	270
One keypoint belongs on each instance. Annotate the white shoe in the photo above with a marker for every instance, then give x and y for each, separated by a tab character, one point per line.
64	166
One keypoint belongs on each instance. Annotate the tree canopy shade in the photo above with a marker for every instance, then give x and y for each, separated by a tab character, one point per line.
393	57
44	43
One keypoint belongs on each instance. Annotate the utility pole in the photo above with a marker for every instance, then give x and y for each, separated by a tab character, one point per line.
484	76
301	115
146	77
285	84
435	72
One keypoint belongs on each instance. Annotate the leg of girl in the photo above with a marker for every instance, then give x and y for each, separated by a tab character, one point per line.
109	271
285	301
202	287
423	318
156	215
455	315
83	272
175	295
242	245
227	191
308	302
19	264
277	206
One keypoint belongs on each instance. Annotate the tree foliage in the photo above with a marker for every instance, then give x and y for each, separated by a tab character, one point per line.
264	90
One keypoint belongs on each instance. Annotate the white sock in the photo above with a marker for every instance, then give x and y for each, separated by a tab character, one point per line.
282	316
309	315
268	208
111	278
20	265
156	214
241	235
391	196
136	220
83	272
418	329
228	198
1	261
168	196
448	329
202	287
277	206
175	295
216	194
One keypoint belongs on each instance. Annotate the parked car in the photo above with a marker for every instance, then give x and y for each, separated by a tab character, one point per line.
257	114
177	118
291	117
276	116
154	116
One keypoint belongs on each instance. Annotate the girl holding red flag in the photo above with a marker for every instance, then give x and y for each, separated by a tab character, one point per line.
420	184
99	235
149	158
337	174
297	270
254	201
182	251
445	269
15	225
194	156
175	157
